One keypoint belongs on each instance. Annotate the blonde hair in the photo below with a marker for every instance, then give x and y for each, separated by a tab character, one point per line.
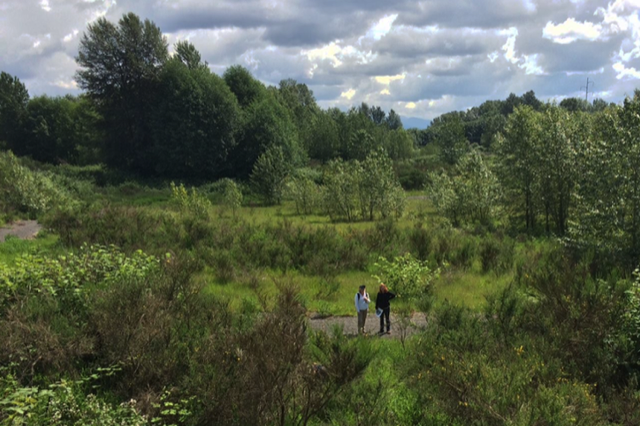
383	288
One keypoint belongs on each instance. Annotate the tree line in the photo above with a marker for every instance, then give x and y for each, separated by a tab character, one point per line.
160	114
572	174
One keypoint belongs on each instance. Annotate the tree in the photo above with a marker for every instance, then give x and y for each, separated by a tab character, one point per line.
302	106
341	190
469	195
400	144
451	139
574	104
270	173
378	188
195	120
324	139
530	99
52	129
189	55
555	161
516	149
607	198
246	88
362	189
120	70
393	121
265	123
360	144
13	108
231	195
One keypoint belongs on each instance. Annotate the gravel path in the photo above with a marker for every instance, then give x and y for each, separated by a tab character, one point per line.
23	229
350	324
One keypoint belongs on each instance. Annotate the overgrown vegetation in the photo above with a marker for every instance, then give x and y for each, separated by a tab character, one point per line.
194	222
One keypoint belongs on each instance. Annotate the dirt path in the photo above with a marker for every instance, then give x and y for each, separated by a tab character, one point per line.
23	229
350	325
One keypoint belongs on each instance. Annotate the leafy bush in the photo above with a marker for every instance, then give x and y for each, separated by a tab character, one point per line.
63	402
46	305
362	190
27	191
304	192
406	276
469	195
460	370
191	202
269	175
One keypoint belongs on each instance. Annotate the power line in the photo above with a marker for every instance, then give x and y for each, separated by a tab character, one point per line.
586	93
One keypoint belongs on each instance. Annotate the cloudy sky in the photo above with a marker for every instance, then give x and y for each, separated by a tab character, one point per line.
421	58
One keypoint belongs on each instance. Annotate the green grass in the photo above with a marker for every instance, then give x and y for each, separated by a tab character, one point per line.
13	247
335	296
327	297
468	288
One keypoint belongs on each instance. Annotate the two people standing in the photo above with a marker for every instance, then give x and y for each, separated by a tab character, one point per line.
362	301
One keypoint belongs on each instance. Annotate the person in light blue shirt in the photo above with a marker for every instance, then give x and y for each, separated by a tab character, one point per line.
362	301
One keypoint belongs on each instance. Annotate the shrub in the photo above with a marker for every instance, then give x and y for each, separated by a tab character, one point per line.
406	276
192	202
27	191
496	255
63	402
304	192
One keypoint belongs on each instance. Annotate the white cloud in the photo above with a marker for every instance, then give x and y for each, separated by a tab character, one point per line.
624	72
382	27
348	94
387	79
572	30
330	51
530	65
410	105
70	36
510	46
44	4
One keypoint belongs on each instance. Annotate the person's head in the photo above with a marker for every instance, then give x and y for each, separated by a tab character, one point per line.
362	288
383	288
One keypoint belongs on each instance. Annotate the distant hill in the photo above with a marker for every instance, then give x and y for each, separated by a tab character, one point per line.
411	122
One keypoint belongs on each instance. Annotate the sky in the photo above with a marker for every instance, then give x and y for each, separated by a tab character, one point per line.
421	58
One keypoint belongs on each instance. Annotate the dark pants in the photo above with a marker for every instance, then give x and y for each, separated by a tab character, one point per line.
385	315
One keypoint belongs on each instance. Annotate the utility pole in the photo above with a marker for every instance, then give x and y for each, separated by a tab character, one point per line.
586	93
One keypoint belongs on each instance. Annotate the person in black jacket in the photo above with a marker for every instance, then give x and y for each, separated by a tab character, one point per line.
382	302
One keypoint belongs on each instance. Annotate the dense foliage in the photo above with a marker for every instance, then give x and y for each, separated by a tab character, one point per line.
150	301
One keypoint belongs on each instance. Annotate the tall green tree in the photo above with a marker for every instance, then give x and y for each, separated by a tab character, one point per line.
516	154
555	163
451	139
13	110
265	123
52	129
324	140
195	120
393	121
120	70
302	106
246	88
607	198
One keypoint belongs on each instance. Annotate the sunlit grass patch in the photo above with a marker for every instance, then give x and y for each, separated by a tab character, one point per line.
13	247
468	288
